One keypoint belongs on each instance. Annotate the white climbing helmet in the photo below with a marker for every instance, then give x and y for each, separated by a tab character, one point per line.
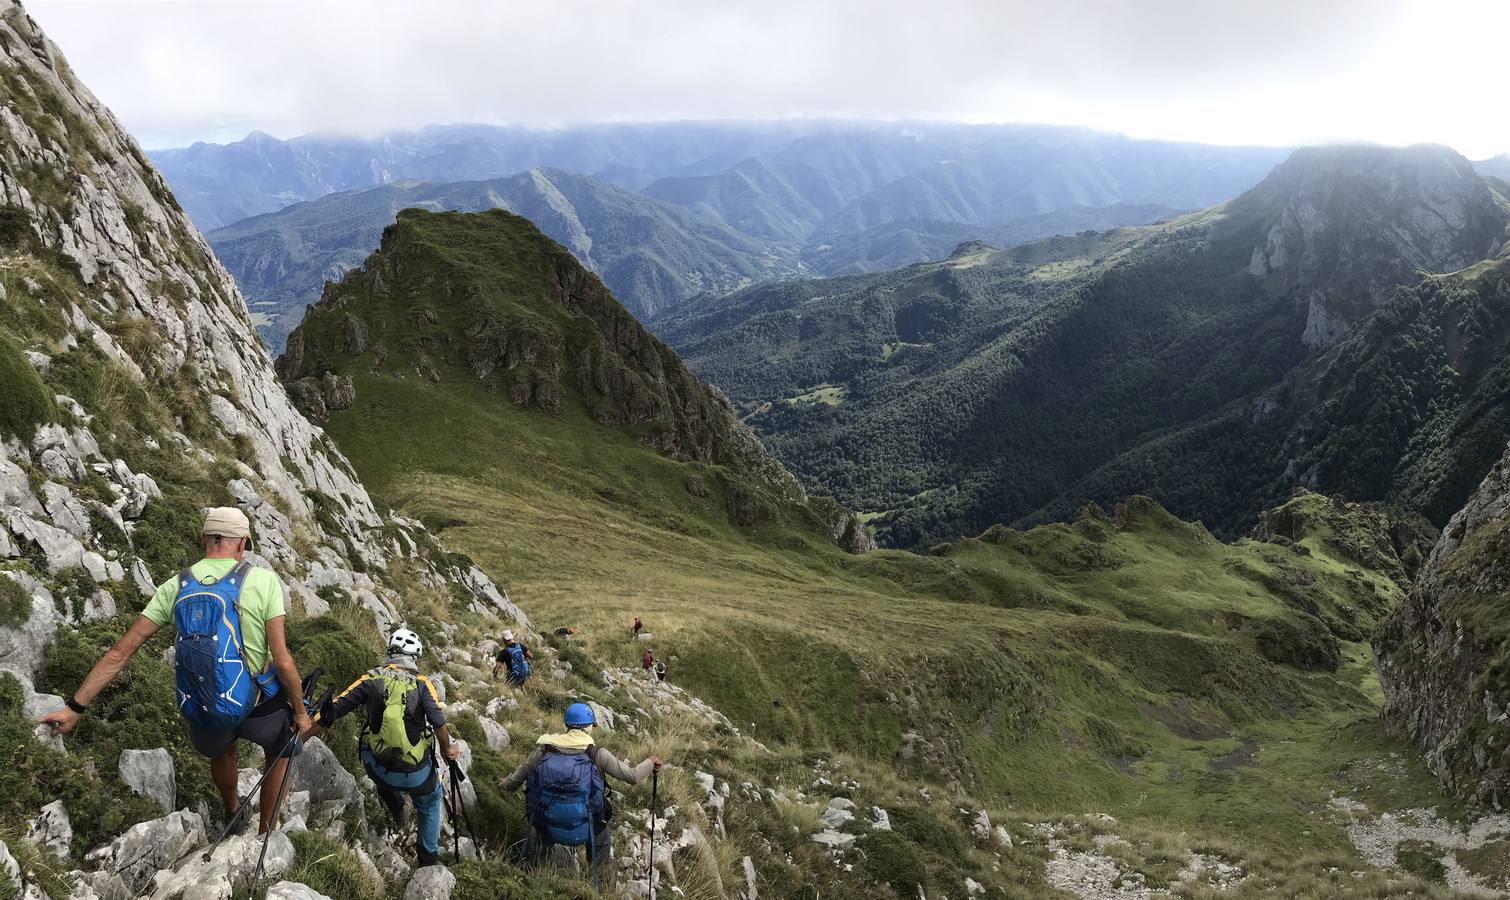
406	642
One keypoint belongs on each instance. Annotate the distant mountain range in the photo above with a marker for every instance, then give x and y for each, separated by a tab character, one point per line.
652	254
776	180
1217	361
666	211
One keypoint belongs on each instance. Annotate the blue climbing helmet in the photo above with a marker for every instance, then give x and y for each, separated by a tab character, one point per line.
579	715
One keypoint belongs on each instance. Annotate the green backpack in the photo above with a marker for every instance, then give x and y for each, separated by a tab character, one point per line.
397	734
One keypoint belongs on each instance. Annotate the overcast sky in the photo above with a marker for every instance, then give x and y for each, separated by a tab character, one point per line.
1275	72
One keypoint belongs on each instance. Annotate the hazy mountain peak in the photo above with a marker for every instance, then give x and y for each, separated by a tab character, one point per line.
1339	226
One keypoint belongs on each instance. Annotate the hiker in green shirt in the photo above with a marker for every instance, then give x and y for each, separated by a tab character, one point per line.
274	714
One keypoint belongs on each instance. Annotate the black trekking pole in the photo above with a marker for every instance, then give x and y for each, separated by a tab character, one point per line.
655	778
244	803
288	768
272	823
457	778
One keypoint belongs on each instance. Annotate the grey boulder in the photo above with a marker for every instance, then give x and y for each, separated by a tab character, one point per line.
151	774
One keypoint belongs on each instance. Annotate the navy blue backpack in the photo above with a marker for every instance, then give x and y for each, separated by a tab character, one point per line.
564	797
216	687
519	667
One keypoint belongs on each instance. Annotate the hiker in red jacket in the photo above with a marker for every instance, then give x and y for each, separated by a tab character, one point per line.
634	630
646	663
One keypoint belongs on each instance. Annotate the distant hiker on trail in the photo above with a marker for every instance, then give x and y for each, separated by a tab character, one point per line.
660	671
515	657
634	630
565	798
647	663
404	722
565	632
222	601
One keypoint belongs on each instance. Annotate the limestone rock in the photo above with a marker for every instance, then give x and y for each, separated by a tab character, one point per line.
749	891
1429	653
292	890
497	736
9	866
980	827
52	830
149	847
430	883
1001	837
22	648
150	773
317	771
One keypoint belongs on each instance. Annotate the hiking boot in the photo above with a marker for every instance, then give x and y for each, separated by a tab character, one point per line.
427	859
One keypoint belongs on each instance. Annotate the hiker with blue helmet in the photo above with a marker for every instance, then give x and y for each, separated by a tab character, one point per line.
565	798
404	724
228	618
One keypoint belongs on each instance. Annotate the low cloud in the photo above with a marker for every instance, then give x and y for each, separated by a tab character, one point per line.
1278	72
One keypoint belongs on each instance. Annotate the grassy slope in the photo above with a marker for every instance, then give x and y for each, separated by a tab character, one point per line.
587	529
1133	665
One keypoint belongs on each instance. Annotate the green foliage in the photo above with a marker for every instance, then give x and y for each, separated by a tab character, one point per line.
495	879
1003	388
32	775
25	402
891	858
137	712
15	603
1421	860
1298	640
330	868
167	533
15	228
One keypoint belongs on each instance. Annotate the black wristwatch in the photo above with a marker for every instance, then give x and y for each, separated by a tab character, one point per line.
75	705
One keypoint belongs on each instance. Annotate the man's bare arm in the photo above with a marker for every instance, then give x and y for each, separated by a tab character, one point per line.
104	671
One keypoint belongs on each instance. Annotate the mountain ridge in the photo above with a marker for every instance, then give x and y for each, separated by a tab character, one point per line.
654	255
1095	344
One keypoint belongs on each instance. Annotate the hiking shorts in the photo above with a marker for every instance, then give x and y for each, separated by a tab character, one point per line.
268	727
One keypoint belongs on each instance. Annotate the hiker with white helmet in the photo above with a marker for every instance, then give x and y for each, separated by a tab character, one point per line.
229	618
515	657
565	797
403	724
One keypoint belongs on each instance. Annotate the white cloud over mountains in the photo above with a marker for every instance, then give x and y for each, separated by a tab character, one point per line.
1240	71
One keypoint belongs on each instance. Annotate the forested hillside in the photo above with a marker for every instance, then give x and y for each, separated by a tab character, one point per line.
1190	361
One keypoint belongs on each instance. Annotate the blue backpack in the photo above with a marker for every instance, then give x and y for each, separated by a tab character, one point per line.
216	688
519	667
564	797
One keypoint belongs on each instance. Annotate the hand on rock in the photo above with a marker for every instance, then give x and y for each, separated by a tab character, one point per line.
61	721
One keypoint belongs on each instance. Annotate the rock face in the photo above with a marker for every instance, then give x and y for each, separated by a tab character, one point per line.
1356	221
159	401
150	773
1444	655
124	286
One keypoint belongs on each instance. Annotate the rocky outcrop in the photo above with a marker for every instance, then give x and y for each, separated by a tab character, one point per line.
524	318
1350	223
163	401
119	265
1444	655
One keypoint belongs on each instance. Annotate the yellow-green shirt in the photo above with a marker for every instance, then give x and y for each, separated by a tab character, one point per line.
261	600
